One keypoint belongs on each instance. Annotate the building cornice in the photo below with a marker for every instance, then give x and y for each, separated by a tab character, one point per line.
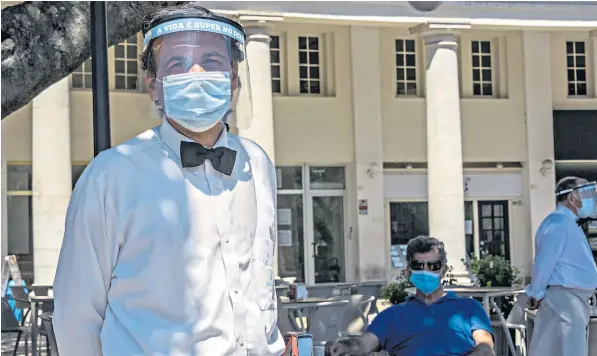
570	15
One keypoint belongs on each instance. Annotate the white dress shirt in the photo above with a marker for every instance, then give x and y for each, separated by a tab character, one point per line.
163	260
563	256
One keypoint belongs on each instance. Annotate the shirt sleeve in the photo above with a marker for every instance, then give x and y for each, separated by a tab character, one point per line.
479	318
550	243
84	271
380	326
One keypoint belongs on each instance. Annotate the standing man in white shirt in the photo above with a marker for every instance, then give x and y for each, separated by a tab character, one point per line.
564	273
169	240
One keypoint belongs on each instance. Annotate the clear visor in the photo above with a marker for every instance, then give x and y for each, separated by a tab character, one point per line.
588	196
198	71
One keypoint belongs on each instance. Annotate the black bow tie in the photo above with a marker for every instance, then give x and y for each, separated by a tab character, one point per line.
193	154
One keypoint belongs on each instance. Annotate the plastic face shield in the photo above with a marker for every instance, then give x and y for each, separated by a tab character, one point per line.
586	193
193	45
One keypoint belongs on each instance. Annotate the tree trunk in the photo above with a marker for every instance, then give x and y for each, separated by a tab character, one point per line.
43	42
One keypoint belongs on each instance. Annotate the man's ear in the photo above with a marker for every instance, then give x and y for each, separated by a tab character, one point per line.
150	84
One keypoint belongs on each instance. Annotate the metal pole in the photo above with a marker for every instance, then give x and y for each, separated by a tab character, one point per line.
100	88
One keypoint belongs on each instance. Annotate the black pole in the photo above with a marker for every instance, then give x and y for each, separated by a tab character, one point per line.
100	86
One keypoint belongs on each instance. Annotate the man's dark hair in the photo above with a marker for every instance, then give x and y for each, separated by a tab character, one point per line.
191	9
424	244
565	184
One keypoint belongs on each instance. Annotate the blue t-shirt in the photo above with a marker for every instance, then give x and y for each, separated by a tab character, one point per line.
444	328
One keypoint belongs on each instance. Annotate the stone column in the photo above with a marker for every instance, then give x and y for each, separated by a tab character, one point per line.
444	140
367	104
52	177
258	57
540	179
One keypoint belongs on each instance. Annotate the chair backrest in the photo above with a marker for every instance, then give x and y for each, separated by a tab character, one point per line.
325	323
356	315
285	324
21	297
40	290
46	319
517	314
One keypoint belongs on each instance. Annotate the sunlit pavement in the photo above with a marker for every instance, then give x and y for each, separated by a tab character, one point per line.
8	343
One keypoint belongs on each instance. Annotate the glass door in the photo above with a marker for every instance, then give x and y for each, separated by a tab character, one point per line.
328	238
494	231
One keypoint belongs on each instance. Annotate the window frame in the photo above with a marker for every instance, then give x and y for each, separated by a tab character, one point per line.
83	73
419	67
587	67
140	84
480	54
321	65
282	64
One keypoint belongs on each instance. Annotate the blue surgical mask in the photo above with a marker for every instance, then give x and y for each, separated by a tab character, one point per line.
426	282
587	209
197	100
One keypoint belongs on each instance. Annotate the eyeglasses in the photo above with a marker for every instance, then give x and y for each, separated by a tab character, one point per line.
434	266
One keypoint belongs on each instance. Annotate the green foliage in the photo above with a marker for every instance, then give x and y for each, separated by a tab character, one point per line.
496	271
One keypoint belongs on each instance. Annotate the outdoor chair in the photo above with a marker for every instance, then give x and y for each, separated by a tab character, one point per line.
10	324
286	322
325	323
52	346
516	321
356	315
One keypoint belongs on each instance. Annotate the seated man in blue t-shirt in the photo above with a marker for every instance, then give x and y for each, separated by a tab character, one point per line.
432	323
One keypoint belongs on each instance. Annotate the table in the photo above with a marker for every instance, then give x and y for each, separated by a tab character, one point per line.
35	301
312	304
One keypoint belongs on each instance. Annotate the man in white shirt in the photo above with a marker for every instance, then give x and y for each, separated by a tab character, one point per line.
564	273
169	240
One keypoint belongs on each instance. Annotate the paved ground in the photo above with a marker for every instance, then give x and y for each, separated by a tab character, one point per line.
8	343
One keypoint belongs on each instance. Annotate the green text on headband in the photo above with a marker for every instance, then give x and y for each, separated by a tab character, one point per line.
193	24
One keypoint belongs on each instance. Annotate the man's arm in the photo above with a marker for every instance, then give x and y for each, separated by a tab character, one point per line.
362	345
551	241
84	271
481	330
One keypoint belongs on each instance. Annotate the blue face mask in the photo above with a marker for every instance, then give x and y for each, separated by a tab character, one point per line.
425	281
587	209
197	100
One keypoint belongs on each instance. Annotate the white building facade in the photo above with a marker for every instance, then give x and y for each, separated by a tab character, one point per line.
384	123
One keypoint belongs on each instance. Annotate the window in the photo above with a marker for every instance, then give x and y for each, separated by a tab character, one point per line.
19	209
482	73
576	63
407	220
125	62
274	53
309	65
81	77
406	67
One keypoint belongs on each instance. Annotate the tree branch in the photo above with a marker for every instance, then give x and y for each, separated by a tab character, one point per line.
43	42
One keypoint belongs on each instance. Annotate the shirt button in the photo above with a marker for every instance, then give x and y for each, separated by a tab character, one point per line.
236	292
241	344
227	241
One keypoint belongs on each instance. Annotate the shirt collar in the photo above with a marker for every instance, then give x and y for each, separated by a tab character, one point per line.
173	138
448	296
564	210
